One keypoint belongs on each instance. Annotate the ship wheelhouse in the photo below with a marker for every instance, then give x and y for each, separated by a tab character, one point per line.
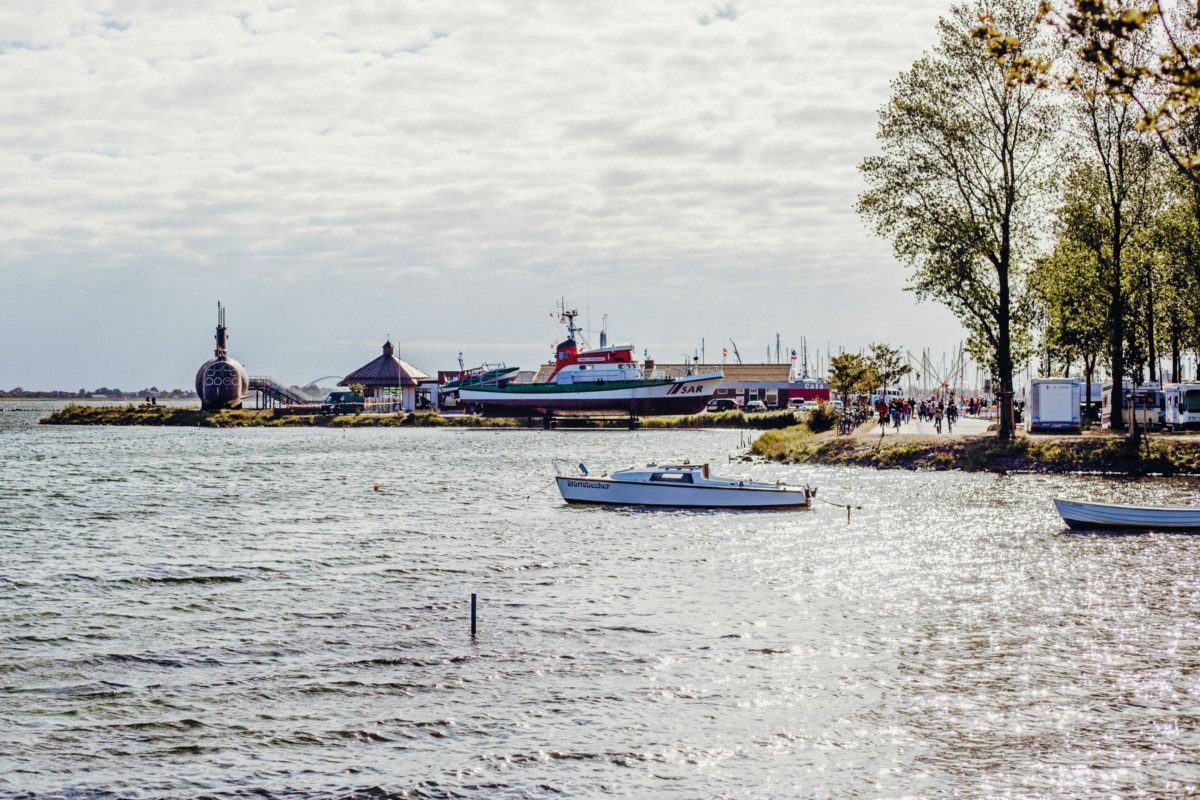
592	366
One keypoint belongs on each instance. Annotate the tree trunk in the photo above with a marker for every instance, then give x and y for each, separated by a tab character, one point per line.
1153	352
1116	422
1089	368
1004	363
1175	350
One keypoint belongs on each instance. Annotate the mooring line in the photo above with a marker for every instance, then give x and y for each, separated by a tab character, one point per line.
846	506
544	488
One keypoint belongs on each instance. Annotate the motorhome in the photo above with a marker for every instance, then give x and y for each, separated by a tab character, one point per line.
1148	404
1054	405
1181	408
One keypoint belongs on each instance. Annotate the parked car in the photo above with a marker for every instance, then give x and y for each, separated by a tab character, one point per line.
797	403
721	404
342	403
755	407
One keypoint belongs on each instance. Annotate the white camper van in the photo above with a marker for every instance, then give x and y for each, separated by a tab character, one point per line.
1182	406
1054	405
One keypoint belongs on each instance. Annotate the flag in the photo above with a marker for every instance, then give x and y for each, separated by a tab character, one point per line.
724	352
793	355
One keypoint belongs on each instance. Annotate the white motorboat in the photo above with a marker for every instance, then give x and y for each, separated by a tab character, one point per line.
1080	514
678	486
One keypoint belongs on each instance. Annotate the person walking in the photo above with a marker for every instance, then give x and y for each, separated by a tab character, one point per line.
937	418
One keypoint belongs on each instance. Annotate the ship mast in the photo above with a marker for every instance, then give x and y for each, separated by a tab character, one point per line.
568	318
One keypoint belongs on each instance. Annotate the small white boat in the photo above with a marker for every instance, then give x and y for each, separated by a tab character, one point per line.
679	486
1079	514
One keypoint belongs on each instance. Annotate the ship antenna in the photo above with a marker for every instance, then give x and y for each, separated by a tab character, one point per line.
220	329
568	318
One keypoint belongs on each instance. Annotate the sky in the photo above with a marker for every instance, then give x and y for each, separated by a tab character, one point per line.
441	173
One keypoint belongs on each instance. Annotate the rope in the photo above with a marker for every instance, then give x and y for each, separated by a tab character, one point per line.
835	505
846	506
544	488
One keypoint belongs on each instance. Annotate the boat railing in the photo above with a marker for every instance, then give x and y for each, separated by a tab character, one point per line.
668	373
598	375
484	375
565	468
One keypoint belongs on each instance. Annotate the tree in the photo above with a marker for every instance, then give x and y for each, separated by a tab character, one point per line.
888	365
964	153
1110	200
1177	239
1070	294
1144	51
850	372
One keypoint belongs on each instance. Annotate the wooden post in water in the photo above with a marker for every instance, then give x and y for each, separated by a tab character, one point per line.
472	614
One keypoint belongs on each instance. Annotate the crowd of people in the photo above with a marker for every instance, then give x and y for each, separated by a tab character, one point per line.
936	410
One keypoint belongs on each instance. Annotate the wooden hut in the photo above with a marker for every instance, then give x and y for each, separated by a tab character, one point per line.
388	372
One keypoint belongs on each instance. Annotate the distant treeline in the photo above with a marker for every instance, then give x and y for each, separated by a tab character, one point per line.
103	392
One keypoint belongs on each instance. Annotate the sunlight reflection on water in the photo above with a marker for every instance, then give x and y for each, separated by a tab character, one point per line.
237	610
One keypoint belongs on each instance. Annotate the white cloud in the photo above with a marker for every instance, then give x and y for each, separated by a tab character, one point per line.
444	171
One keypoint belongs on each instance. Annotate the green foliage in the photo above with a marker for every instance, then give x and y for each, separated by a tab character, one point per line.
889	366
73	414
1141	53
850	373
822	418
1071	296
725	419
963	152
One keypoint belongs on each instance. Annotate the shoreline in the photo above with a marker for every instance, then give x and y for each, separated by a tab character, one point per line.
1089	453
191	416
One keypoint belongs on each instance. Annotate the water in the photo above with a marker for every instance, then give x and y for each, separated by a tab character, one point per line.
189	613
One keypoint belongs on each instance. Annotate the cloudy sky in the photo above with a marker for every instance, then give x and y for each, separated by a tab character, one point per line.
440	172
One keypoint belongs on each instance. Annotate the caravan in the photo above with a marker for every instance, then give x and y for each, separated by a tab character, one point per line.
1054	405
1182	405
1148	403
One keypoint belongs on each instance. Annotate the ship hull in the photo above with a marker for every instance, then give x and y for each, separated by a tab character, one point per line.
639	398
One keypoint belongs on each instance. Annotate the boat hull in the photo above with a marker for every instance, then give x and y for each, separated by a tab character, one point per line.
639	398
605	491
1089	516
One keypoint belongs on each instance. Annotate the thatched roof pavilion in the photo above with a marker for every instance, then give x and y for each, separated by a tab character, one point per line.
387	372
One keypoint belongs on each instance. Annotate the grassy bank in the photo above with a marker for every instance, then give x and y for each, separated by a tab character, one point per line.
249	418
193	417
725	419
985	453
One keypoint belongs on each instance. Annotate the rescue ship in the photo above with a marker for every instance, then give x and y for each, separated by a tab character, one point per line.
603	380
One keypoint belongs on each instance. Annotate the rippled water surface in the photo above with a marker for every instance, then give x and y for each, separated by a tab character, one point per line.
241	614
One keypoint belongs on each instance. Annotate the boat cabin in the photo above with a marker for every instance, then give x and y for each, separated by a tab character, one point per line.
602	364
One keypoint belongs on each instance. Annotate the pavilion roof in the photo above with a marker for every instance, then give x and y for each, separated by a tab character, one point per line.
387	370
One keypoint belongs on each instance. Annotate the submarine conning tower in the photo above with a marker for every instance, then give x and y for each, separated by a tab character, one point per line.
221	381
